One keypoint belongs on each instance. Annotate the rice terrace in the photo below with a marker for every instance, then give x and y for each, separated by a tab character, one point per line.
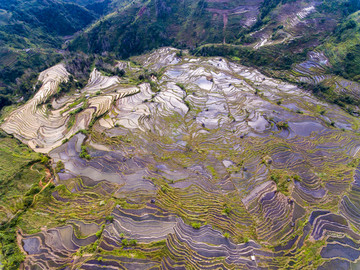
185	134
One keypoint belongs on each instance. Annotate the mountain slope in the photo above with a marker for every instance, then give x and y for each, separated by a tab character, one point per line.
239	153
343	49
31	35
192	163
144	26
147	25
28	23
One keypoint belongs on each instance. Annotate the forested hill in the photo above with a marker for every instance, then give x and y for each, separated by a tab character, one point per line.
145	25
32	32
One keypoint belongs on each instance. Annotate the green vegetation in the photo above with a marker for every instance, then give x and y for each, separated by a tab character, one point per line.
132	242
345	100
224	198
111	71
19	71
84	153
196	225
129	37
311	254
20	172
279	57
265	9
59	166
99	232
282	125
124	242
9	248
69	87
30	42
343	48
281	180
227	211
181	86
110	218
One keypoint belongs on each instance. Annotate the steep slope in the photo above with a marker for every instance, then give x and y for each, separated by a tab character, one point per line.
23	174
190	162
343	49
147	25
31	37
27	23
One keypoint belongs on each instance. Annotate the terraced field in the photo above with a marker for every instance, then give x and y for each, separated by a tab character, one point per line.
190	163
315	71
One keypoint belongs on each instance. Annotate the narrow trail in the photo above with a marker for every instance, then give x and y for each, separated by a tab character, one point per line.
225	21
47	177
49	180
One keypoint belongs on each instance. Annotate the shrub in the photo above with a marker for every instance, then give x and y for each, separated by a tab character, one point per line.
164	188
59	166
133	242
154	87
28	201
124	242
275	178
83	131
227	211
34	190
99	232
120	72
13	257
110	218
282	125
84	153
196	225
179	54
44	159
181	86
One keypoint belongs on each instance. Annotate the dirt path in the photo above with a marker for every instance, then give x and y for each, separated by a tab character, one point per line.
49	180
225	14
47	176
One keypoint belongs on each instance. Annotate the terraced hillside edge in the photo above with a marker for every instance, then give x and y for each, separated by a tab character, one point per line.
31	42
189	163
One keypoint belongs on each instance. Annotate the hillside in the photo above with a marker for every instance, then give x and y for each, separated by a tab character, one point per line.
343	49
188	162
162	134
274	36
31	42
26	23
279	33
188	24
